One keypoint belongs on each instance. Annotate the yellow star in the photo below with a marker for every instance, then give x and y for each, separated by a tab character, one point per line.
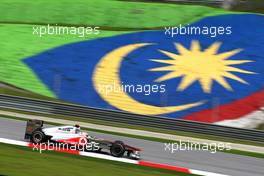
203	66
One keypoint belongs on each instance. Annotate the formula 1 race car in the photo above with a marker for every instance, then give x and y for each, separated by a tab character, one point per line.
72	135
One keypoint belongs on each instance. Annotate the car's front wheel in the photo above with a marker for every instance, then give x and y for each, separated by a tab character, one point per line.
117	149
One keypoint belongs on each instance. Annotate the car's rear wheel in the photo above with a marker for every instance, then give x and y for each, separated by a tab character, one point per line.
38	137
117	149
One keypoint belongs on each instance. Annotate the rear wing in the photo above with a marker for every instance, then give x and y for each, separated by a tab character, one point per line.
32	125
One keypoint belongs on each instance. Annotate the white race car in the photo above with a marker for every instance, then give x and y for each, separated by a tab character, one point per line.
72	135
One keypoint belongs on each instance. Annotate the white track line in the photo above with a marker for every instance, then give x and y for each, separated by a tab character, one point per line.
107	157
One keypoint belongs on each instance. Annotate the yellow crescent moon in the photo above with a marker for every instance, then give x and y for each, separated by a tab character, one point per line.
107	73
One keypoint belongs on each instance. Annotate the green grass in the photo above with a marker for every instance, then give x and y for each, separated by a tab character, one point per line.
23	161
9	89
103	13
251	154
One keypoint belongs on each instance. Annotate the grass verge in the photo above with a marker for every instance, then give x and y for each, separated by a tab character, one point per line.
16	160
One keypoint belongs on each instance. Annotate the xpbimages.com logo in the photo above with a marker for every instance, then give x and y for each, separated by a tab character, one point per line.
83	145
145	89
64	30
196	146
210	31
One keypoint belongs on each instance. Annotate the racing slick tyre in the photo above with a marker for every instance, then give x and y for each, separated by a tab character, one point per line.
38	137
117	149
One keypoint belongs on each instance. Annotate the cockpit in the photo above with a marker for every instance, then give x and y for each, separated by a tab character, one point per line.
77	129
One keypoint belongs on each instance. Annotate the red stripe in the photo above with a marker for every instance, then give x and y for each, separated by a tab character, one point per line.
75	152
233	110
162	166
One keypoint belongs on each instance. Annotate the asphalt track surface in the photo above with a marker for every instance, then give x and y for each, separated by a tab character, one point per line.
218	162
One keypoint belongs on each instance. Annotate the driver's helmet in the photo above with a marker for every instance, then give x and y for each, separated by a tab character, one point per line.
77	129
